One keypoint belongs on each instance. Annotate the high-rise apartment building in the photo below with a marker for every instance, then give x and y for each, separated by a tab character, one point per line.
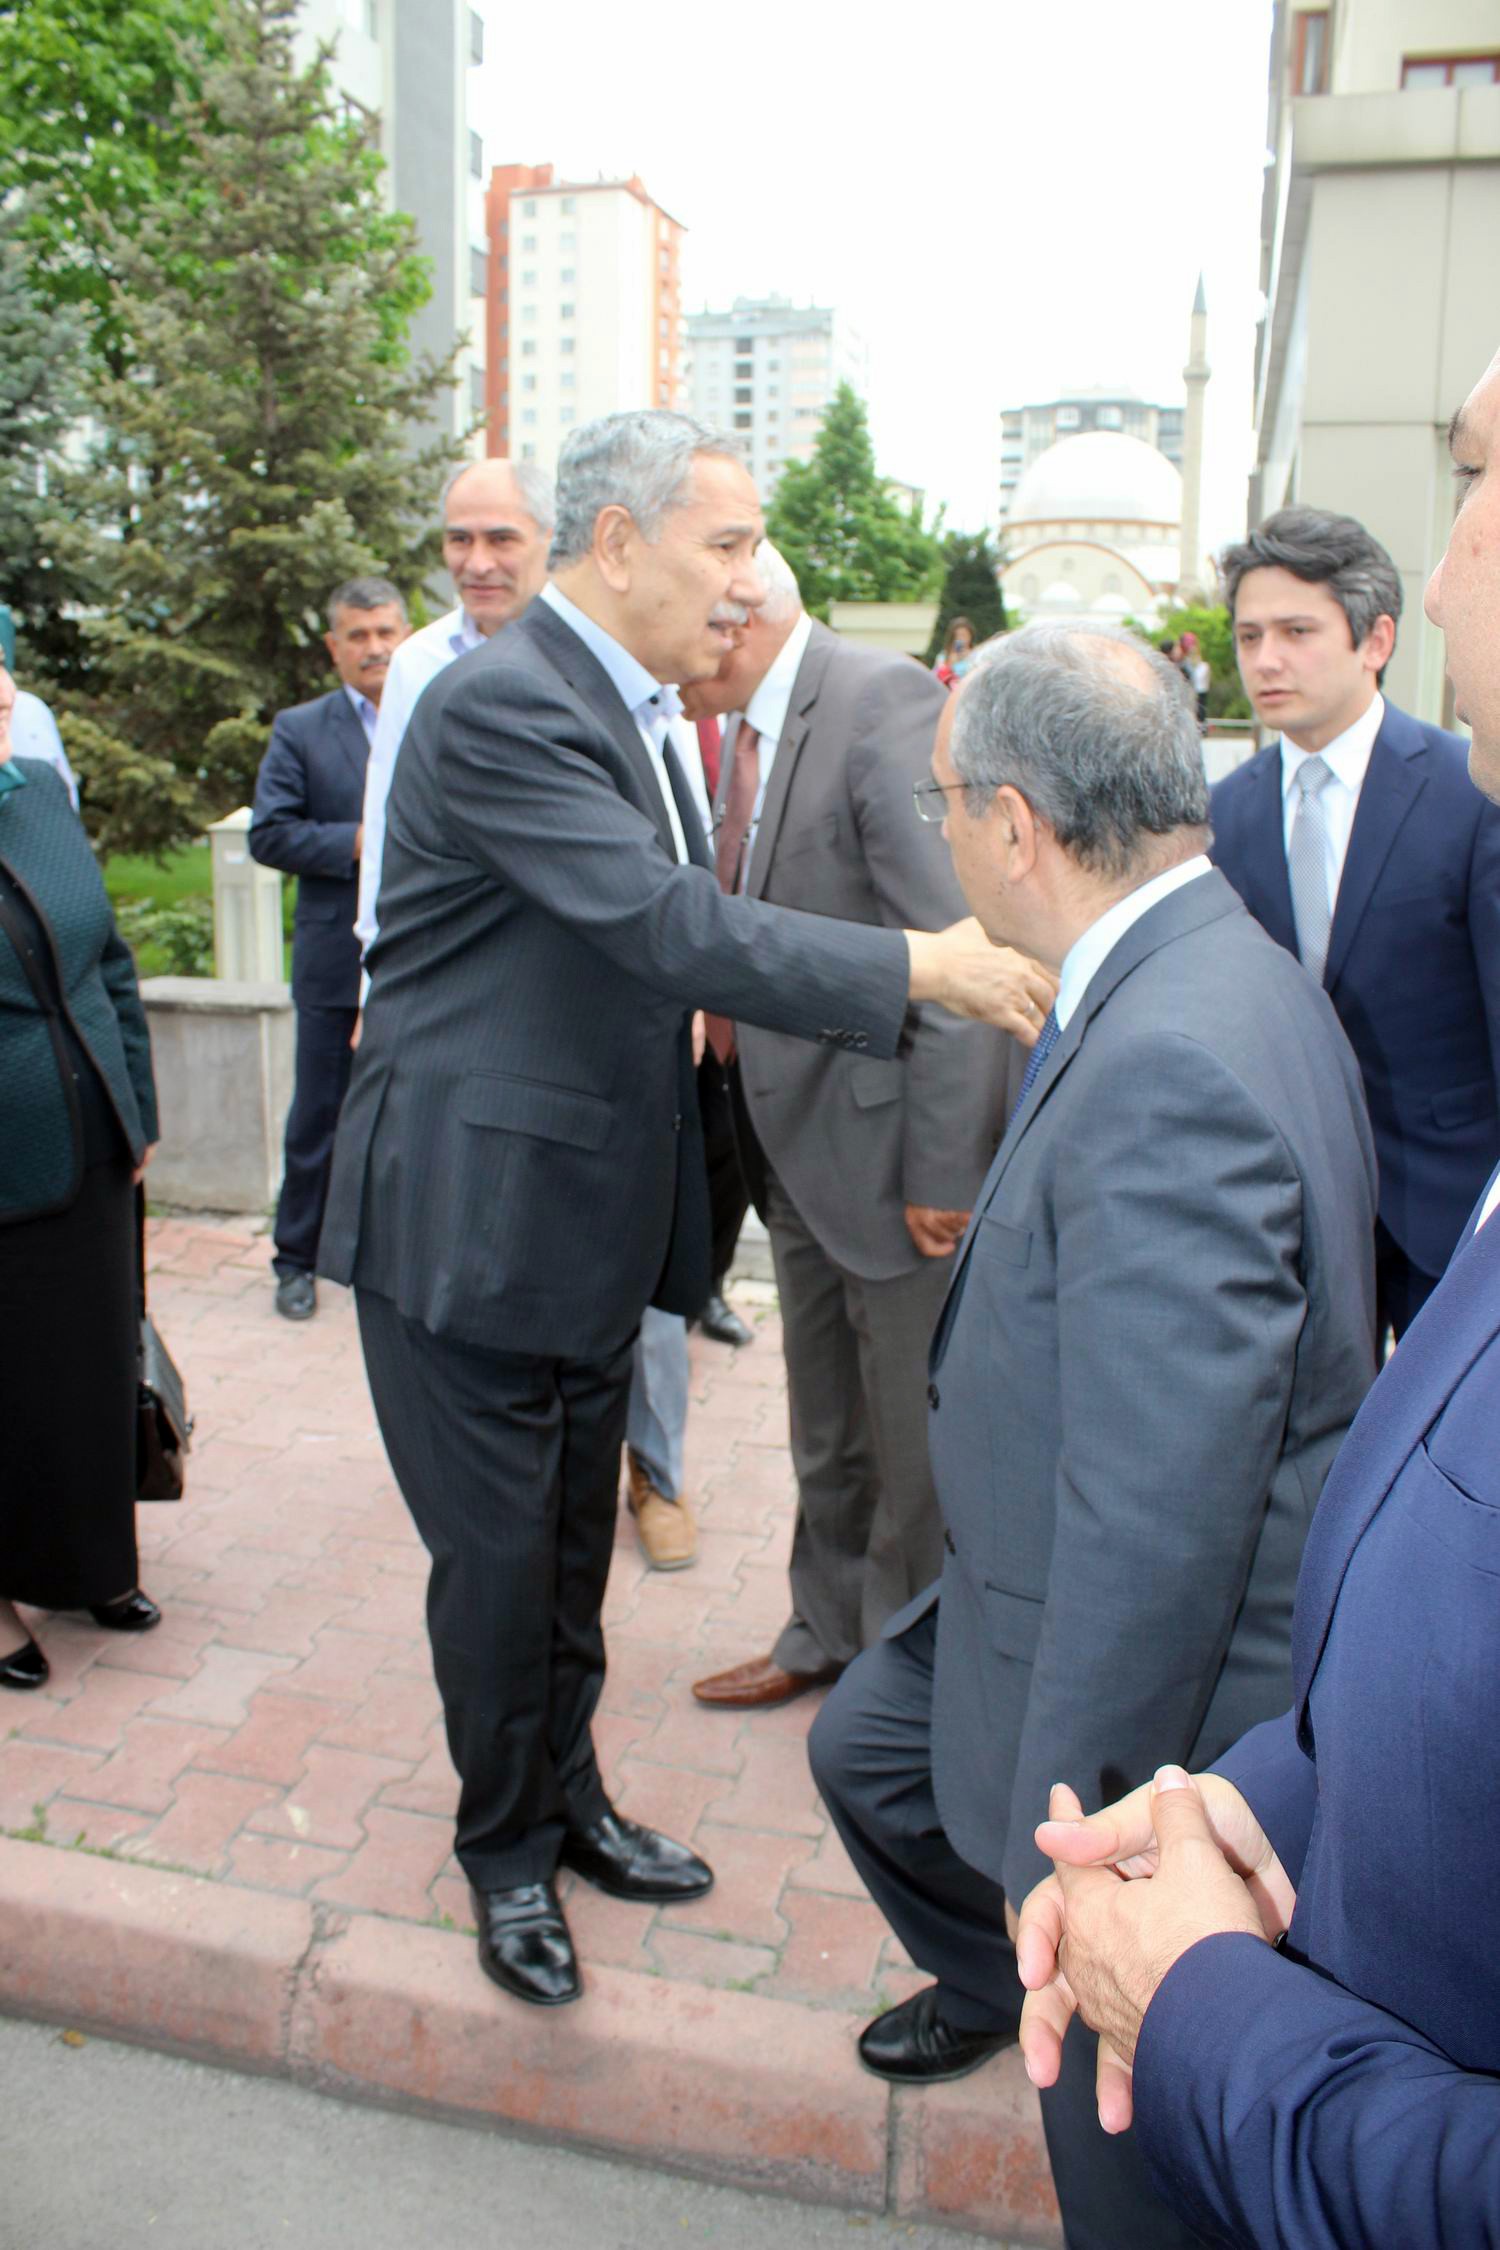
584	307
1026	432
1379	228
415	69
766	371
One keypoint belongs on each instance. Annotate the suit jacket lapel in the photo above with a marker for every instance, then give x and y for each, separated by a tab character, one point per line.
1392	784
349	734
1444	1340
799	720
1265	853
586	676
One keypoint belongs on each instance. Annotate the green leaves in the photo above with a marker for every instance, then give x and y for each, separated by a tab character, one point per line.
840	528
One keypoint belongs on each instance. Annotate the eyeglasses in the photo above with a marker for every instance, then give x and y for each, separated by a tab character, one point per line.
928	797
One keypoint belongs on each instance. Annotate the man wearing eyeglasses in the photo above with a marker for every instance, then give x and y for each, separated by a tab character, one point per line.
863	1169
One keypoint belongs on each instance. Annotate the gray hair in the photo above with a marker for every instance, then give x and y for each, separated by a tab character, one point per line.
783	594
1324	550
364	593
1105	751
640	462
533	484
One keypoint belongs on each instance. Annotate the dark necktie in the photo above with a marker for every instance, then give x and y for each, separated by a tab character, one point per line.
1046	1040
729	850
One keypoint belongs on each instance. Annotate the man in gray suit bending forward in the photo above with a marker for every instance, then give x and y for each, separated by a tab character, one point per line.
519	1170
1156	1334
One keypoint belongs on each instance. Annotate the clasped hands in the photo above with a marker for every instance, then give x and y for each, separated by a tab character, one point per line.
1134	1886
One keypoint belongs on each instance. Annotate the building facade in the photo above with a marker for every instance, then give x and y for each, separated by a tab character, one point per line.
414	69
584	307
1379	229
766	371
1027	431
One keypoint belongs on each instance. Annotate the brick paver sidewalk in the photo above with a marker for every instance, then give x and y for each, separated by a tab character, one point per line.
279	1733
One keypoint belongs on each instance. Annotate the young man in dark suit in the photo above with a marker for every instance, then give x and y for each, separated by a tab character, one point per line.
307	816
519	1167
1357	841
1302	2003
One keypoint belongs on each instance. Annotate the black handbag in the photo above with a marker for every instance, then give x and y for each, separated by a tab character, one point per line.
163	1425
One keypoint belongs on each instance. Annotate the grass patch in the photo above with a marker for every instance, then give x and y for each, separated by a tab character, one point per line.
178	882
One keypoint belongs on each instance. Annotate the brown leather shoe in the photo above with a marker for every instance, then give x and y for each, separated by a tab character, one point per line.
752	1686
665	1528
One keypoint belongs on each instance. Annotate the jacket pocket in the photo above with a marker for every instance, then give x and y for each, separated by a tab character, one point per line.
528	1105
874	1083
995	1238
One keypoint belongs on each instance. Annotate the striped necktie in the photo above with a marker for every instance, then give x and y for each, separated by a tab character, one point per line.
1046	1040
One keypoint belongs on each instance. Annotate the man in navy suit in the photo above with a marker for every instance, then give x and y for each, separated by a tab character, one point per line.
1307	1988
307	820
1357	842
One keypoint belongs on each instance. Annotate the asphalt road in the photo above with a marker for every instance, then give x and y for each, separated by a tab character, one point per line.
105	2147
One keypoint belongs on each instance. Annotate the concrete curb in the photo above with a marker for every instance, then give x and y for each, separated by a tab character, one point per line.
734	2087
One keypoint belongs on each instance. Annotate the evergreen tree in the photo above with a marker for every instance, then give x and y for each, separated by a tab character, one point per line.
262	436
40	402
93	126
844	534
971	588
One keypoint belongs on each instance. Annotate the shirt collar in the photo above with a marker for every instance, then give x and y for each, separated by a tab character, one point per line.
1088	954
1348	755
364	709
767	709
630	679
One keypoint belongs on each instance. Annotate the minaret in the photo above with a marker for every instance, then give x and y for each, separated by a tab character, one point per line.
1195	375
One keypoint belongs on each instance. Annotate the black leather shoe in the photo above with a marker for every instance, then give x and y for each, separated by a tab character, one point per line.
132	1613
524	1945
724	1324
914	2046
629	1861
296	1297
27	1668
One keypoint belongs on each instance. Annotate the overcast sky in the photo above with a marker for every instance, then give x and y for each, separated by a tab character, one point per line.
1006	199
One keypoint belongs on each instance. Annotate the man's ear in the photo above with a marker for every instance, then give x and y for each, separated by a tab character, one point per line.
614	533
1380	643
1019	828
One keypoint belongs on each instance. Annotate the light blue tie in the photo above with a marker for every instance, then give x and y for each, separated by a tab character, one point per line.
1046	1040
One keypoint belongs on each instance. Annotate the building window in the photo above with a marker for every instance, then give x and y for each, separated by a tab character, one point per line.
567	414
476	387
528	242
478	273
1310	52
564	312
528	348
528	209
528	312
1067	417
1450	70
567	207
528	417
567	277
742	421
528	451
476	37
567	241
742	397
568	381
476	156
528	278
372	19
744	343
565	346
743	370
1110	418
528	382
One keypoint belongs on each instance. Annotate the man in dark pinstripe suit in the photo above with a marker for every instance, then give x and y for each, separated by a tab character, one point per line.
519	1170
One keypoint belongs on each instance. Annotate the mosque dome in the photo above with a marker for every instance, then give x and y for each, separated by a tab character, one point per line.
1098	477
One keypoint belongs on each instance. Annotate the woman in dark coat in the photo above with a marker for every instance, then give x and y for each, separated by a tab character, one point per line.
77	1122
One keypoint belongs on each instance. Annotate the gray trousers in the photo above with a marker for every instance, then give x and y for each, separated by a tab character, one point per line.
868	1534
659	1399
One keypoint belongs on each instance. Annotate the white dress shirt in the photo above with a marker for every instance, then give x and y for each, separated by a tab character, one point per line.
1348	760
364	710
652	706
767	709
1088	954
418	660
1490	1202
33	734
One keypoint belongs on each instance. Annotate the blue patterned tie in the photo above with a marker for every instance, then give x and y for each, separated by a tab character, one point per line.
1046	1040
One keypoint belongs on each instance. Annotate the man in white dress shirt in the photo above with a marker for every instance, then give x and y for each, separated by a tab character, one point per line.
1356	840
497	527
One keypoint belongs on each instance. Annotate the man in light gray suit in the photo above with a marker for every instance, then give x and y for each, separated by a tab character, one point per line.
518	1170
1156	1334
864	1170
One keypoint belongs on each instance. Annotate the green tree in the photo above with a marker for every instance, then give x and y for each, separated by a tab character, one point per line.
844	534
262	444
41	399
93	127
1226	697
971	588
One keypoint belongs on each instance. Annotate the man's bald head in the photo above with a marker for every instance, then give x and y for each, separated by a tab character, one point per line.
497	528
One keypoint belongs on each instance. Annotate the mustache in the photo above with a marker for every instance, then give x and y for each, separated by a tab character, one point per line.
729	613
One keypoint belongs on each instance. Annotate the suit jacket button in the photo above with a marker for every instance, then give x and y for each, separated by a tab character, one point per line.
677	1123
861	1039
934	1397
948	1541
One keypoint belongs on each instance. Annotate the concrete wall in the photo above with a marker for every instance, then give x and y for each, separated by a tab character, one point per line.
903	626
224	1056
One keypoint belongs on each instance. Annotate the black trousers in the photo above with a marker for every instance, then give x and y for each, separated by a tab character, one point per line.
323	1062
1401	1288
871	1755
510	1467
728	1196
